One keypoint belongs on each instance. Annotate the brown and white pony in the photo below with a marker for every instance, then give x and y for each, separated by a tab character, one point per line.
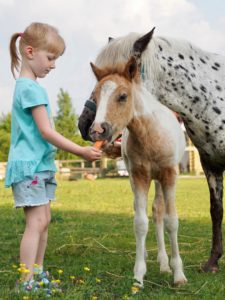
152	146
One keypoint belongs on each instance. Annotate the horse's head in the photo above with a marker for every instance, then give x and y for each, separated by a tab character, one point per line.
116	52
114	101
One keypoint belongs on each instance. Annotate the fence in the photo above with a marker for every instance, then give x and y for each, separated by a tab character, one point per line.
75	169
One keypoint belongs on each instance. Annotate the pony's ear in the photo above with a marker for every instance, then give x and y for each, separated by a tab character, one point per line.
141	44
131	69
99	73
110	39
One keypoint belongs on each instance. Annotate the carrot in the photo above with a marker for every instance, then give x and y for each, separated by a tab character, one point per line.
98	144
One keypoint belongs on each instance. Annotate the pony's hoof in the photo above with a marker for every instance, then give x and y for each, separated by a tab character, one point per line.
165	269
180	280
138	283
210	268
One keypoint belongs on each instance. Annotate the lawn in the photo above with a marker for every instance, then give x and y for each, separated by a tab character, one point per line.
91	239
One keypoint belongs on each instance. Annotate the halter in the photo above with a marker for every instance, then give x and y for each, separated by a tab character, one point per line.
142	72
91	105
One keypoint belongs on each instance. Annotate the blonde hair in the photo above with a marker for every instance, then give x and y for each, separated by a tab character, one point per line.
40	36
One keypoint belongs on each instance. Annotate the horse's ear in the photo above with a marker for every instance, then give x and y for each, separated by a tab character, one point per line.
99	74
141	44
110	39
131	69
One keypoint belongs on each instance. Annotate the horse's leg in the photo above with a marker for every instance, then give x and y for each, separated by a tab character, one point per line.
158	210
168	183
215	183
140	183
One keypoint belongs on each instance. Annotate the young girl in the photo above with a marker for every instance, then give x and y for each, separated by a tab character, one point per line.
31	169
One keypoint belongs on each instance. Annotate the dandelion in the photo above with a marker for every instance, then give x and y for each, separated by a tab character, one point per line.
94	298
81	281
41	283
72	277
25	298
98	280
60	271
56	281
22	265
87	269
23	270
134	289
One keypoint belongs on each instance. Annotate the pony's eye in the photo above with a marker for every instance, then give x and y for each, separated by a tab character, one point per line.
122	97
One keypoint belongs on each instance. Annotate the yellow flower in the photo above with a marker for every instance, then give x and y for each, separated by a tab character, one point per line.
94	298
23	270
134	289
25	298
56	281
36	266
81	281
60	271
41	283
26	271
126	297
98	280
22	265
87	269
14	266
72	277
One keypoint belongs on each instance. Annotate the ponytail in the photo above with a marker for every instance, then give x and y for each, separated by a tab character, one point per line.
15	59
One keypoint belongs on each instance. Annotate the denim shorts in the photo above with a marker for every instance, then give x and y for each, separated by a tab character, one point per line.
35	190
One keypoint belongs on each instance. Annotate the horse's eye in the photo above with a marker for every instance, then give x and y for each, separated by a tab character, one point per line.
122	97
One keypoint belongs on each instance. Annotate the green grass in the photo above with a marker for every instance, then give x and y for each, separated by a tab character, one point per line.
92	226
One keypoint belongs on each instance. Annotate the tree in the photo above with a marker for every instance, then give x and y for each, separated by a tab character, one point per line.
66	123
5	128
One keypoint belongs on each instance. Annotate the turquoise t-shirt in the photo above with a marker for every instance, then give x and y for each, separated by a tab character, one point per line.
29	152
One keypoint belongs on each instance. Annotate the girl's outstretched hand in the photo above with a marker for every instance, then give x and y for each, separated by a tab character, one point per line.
91	153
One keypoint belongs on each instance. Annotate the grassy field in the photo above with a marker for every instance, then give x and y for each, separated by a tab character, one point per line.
91	239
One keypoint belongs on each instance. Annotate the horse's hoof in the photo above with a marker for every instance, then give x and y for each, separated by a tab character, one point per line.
180	280
138	283
210	268
165	269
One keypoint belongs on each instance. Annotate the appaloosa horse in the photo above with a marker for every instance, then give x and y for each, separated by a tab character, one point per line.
152	146
191	82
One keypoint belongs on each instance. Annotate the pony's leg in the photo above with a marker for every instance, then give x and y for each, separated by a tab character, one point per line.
215	183
140	183
171	223
158	210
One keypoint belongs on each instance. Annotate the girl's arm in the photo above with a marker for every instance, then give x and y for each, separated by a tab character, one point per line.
41	118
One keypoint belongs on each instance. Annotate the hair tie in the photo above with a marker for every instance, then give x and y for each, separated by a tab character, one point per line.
21	34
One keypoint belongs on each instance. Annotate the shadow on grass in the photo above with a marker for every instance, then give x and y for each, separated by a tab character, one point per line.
105	243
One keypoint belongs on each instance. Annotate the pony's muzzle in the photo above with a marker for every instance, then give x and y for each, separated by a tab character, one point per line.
102	131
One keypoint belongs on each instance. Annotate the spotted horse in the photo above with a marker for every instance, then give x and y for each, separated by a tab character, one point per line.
191	82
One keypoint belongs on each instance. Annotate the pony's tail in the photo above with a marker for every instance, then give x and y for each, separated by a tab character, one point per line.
15	59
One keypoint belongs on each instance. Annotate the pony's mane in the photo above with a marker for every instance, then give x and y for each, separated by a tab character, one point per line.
119	51
118	69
